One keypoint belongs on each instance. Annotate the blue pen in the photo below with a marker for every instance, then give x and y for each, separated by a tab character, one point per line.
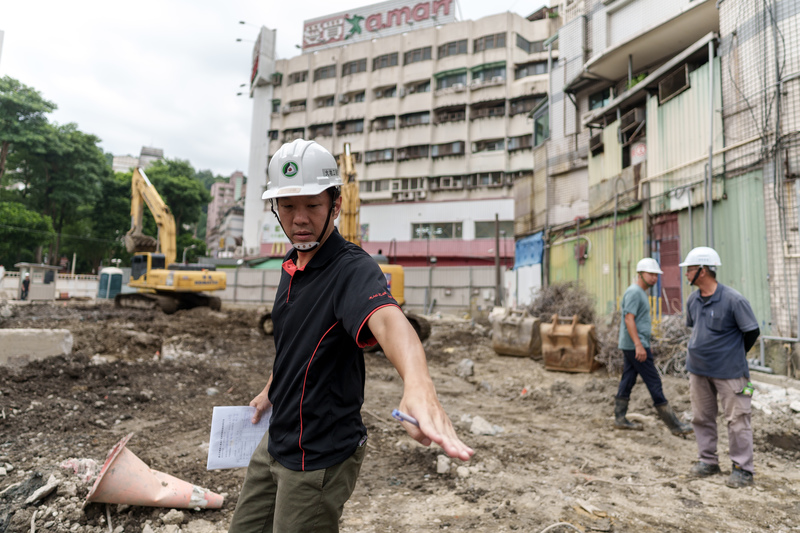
400	416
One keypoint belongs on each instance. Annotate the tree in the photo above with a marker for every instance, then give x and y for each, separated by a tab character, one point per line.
22	231
176	182
62	173
22	117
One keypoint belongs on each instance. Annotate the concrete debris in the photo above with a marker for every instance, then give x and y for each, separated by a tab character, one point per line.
480	426
85	469
462	472
43	491
174	516
465	369
21	346
442	464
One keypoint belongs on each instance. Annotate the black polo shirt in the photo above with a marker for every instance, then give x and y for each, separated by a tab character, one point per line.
320	318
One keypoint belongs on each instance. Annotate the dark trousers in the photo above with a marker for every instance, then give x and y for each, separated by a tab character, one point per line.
647	369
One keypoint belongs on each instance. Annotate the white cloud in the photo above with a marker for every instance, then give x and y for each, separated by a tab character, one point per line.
161	73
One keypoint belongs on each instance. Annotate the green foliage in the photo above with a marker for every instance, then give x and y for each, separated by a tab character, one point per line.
176	182
636	79
185	241
21	232
22	117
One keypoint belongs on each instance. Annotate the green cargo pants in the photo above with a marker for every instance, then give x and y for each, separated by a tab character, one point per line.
276	499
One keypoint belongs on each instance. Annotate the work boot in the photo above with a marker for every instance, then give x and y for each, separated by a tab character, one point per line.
739	478
701	469
620	410
668	416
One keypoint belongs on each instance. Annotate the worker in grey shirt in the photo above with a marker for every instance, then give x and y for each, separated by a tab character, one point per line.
634	341
724	329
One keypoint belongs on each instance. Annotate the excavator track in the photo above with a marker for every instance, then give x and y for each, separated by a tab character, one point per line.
169	303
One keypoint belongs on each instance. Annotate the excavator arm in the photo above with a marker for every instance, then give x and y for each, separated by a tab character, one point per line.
143	193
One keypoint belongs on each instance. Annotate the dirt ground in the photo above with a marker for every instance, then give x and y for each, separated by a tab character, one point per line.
554	459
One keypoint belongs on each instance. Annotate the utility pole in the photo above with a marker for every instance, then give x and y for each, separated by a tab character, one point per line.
498	284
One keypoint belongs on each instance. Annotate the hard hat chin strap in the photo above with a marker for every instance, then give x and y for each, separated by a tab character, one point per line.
305	246
696	274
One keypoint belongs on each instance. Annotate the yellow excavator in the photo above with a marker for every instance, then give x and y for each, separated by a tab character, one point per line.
350	228
159	280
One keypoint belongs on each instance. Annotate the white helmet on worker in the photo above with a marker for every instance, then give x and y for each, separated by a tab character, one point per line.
301	168
648	264
702	256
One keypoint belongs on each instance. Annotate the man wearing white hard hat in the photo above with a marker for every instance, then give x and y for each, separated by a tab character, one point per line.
634	341
332	301
724	328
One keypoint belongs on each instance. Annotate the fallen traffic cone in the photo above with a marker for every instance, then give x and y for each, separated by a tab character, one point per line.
125	478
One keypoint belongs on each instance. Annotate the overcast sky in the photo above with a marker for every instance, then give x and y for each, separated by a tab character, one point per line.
163	73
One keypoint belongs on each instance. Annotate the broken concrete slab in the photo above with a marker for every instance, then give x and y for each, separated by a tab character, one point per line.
21	346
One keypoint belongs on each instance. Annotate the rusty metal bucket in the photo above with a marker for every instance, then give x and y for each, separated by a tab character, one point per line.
568	346
515	332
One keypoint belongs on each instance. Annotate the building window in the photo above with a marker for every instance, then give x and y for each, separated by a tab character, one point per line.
485	230
487	110
408	184
323	73
451	80
272	135
353	67
447	149
541	124
498	40
415	56
346	127
385	61
377	156
276	106
325	101
489	145
298	77
530	46
292	134
320	130
412	152
415	119
530	69
386	92
523	105
451	114
374	185
485	179
436	230
360	96
453	48
419	87
600	98
496	73
297	106
447	182
383	123
519	143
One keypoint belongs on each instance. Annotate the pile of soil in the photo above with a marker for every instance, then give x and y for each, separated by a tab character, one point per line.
546	450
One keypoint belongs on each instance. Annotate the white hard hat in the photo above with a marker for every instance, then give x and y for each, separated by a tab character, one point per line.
648	264
702	256
301	168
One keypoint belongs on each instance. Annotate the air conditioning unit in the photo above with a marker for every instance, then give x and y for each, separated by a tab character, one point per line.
286	109
408	196
596	143
631	119
421	195
379	93
498	79
673	85
401	92
458	87
344	99
475	83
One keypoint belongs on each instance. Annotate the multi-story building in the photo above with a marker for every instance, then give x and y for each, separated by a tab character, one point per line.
220	234
672	125
147	155
437	119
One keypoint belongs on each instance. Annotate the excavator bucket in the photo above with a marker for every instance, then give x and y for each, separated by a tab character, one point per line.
568	346
515	332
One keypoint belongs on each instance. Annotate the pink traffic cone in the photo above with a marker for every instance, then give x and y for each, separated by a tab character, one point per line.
125	478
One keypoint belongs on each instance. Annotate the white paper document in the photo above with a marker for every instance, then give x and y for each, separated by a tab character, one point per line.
234	437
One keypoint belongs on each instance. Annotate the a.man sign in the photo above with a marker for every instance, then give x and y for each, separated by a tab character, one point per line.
376	20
